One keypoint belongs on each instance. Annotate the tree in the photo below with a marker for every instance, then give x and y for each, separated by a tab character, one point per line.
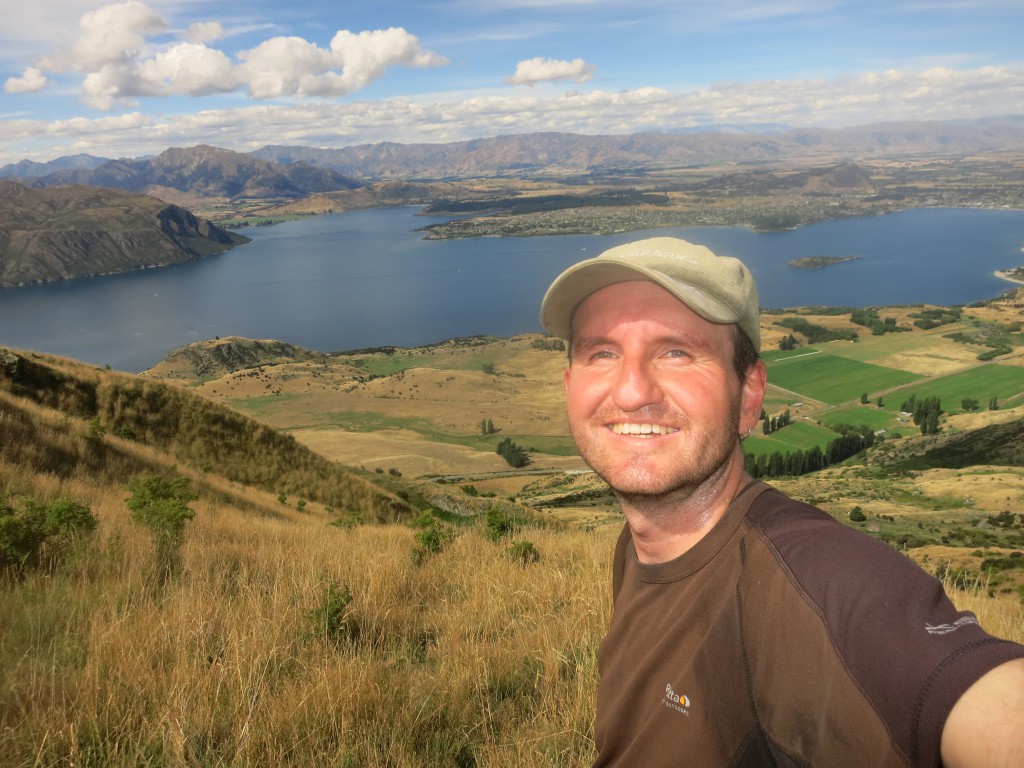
993	404
864	398
161	506
516	456
969	404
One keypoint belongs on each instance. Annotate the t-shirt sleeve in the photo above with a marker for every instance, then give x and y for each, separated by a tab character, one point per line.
891	624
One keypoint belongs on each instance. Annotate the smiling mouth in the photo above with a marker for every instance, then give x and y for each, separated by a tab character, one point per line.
641	430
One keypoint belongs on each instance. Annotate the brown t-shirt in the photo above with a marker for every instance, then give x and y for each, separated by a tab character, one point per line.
782	638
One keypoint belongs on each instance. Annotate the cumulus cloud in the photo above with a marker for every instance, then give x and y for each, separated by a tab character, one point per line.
539	70
113	34
32	80
124	54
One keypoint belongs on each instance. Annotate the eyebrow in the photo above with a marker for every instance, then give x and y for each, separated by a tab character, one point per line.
696	342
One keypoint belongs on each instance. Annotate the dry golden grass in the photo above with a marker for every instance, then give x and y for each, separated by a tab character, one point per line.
471	658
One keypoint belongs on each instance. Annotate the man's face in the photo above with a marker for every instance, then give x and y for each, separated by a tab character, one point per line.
653	401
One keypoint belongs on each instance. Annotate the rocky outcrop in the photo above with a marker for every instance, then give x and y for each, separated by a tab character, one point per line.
218	357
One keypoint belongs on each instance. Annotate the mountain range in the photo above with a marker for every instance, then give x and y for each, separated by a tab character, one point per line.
293	171
201	171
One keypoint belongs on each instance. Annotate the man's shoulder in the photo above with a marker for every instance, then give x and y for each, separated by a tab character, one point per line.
777	515
816	545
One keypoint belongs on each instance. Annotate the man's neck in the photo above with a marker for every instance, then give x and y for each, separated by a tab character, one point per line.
667	526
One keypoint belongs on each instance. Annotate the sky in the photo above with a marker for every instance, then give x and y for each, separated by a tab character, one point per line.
132	78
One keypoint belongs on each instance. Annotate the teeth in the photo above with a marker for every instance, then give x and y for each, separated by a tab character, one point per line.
641	429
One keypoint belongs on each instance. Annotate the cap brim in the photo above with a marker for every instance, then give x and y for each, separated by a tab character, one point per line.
580	281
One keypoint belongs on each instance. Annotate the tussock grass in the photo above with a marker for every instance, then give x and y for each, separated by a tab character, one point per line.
471	658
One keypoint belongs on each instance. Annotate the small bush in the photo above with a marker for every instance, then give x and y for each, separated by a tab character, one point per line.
431	537
331	620
500	524
347	521
523	552
161	506
41	532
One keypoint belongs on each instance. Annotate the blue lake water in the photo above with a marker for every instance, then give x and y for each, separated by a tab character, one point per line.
366	278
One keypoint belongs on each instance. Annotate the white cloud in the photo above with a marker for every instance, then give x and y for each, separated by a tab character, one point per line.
539	70
124	54
113	34
933	94
188	68
32	80
291	66
278	67
204	32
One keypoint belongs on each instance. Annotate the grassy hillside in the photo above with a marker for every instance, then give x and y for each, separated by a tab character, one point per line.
315	617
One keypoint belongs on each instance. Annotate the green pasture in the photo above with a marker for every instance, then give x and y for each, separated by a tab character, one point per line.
798	436
830	378
875	418
1003	382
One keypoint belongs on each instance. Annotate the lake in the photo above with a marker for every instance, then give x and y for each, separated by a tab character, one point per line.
366	278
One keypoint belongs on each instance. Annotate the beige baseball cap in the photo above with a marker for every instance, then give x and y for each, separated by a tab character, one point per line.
718	288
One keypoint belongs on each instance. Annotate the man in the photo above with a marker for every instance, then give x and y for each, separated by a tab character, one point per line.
749	629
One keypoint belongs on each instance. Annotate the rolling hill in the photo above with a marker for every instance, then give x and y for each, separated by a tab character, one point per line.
75	231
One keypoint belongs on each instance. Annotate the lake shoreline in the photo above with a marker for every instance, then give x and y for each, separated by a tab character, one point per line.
1007	275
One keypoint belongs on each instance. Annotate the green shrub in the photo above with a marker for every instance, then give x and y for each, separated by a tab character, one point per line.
41	532
524	552
331	620
161	506
431	537
500	523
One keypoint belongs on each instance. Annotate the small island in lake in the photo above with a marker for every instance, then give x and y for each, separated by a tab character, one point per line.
814	262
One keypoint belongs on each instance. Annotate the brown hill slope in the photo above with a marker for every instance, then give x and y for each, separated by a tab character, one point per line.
65	419
67	232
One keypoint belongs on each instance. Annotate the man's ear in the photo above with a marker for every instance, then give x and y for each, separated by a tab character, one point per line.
752	396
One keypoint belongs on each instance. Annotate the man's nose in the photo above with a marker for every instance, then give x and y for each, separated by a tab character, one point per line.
637	386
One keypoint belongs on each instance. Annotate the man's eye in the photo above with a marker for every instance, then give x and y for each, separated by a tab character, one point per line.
677	353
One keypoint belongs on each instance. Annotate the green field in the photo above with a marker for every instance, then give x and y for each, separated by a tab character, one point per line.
1004	382
830	378
876	418
798	436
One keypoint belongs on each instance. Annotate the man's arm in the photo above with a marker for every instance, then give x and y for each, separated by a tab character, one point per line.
985	728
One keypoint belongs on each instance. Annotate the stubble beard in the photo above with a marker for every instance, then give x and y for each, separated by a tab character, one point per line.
638	484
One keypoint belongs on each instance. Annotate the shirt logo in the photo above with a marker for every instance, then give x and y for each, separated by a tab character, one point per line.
680	702
945	629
